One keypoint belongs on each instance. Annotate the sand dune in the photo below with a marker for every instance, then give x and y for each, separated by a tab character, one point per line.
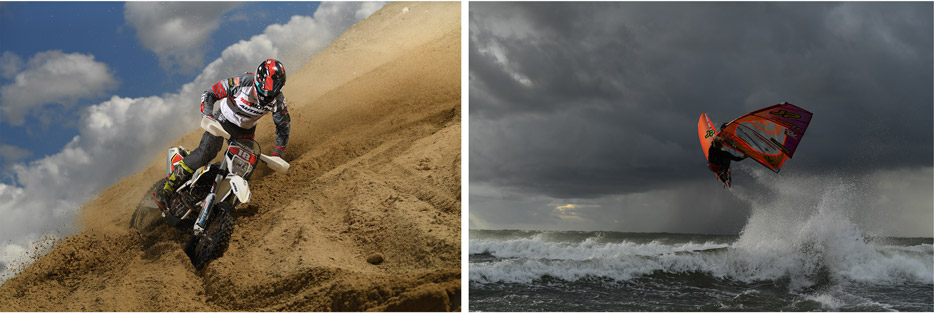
375	155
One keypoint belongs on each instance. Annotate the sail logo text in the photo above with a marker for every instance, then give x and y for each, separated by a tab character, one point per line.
786	114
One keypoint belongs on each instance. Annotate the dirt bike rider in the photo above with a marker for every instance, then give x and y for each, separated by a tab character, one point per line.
244	100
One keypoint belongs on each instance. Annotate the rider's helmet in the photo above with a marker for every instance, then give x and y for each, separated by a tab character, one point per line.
268	81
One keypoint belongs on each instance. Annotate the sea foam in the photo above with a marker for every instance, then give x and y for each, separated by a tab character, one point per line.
801	229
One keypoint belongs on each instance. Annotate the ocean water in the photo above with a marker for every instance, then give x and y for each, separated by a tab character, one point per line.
809	244
612	271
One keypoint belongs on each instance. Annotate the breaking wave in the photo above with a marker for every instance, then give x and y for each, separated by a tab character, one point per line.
811	258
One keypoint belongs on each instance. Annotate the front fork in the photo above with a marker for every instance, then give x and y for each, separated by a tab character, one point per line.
209	202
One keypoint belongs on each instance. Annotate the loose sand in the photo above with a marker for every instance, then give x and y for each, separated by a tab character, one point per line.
375	155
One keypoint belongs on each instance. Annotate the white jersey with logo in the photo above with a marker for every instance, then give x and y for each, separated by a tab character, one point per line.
241	110
238	105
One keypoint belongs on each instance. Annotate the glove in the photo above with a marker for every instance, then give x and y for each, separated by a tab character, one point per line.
208	114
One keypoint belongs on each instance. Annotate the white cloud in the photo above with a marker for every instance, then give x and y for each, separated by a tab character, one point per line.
10	154
119	136
366	8
52	77
495	50
10	64
177	32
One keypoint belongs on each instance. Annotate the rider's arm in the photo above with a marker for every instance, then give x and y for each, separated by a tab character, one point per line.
734	157
218	91
283	124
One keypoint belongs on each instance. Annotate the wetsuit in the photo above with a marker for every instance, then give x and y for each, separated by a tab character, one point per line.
718	160
239	112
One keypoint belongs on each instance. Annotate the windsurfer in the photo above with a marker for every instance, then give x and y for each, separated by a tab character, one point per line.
718	159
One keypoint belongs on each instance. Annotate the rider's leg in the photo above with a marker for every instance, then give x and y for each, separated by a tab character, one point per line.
205	152
208	148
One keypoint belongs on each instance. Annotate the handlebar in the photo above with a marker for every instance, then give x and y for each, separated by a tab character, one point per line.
214	127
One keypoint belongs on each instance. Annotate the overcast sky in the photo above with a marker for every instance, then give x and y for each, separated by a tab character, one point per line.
583	115
91	92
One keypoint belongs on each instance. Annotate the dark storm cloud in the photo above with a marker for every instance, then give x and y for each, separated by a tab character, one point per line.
615	89
591	102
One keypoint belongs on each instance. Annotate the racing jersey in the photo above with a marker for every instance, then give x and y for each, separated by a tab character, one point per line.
239	106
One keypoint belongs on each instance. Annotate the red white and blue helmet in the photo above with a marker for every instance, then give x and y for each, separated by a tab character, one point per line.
268	80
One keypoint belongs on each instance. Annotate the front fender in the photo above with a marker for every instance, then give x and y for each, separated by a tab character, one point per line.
239	187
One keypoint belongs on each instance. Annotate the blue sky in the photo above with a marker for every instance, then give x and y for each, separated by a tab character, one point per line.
102	30
91	92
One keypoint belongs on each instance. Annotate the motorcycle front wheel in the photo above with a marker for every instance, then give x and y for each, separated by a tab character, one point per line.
212	243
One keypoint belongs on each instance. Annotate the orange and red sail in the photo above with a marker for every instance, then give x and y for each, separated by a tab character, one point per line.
770	135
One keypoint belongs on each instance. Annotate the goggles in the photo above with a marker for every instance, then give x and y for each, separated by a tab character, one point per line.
263	96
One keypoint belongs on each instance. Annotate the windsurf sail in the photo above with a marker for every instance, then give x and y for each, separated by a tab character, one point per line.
770	135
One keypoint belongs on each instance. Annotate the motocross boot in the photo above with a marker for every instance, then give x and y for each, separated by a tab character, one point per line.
181	173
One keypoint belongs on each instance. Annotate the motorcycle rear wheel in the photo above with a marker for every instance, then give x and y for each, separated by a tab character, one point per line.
146	217
213	242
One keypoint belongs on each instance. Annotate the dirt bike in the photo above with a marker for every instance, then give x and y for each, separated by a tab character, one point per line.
204	204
